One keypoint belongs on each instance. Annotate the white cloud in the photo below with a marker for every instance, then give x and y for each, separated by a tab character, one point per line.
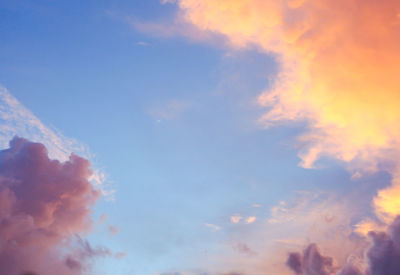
251	219
17	120
236	218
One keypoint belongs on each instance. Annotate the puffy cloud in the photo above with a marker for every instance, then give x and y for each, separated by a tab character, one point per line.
16	119
251	219
44	205
381	258
236	218
310	262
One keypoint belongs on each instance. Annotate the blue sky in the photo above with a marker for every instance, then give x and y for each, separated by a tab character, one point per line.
173	123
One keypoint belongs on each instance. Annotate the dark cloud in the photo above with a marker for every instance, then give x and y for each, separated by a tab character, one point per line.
295	262
244	249
350	270
382	257
311	262
44	204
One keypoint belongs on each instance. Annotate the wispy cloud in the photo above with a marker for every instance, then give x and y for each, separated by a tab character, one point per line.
213	226
17	120
113	230
172	109
142	43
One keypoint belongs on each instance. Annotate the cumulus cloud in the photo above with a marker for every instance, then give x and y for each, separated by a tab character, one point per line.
381	258
44	206
310	262
251	219
236	218
16	119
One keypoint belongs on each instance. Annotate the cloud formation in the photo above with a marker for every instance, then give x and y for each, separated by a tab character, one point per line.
44	205
338	72
310	262
382	258
16	119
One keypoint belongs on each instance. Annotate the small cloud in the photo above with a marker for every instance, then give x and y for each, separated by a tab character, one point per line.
120	255
169	110
244	249
103	218
213	226
113	230
251	219
236	218
142	43
168	1
256	205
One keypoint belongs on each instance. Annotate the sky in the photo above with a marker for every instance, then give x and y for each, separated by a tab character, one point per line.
199	137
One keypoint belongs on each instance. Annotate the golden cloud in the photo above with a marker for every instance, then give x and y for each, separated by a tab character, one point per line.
339	73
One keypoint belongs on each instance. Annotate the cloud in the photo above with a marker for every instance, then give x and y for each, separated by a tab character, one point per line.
324	219
16	119
310	262
380	258
236	218
244	249
113	230
339	75
251	219
82	254
142	43
103	218
213	226
44	205
338	72
170	110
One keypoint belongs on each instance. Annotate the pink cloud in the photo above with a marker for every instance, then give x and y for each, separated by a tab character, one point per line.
380	258
44	205
113	230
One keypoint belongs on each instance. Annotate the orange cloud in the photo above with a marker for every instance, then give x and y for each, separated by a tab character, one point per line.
339	73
